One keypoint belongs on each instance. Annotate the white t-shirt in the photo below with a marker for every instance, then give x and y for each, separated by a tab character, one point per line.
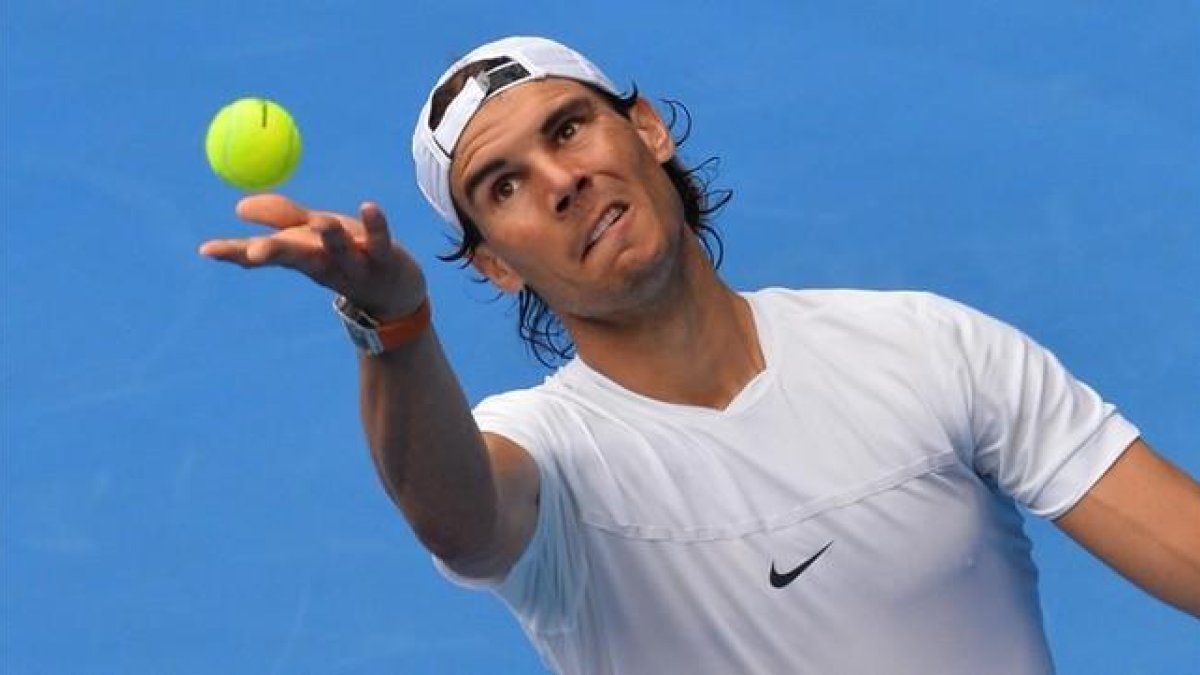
851	511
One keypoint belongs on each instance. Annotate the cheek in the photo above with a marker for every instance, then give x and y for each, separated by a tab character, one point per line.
526	249
515	232
654	175
666	196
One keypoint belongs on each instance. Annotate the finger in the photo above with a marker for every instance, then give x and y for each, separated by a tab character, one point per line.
342	253
280	251
379	240
252	252
273	210
303	256
228	250
266	251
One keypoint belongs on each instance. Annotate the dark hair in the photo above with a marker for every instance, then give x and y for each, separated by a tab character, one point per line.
538	326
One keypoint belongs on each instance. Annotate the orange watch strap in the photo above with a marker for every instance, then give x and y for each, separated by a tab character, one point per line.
404	330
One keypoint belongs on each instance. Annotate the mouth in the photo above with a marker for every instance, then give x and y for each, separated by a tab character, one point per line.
607	219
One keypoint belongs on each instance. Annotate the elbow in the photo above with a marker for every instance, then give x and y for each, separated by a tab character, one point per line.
464	538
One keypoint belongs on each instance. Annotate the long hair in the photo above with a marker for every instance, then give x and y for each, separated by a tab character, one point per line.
538	326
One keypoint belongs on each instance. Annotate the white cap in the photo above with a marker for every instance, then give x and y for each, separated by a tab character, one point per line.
533	58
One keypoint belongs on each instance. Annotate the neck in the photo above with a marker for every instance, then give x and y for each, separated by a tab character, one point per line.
694	343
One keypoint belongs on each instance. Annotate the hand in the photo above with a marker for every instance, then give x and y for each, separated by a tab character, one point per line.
355	258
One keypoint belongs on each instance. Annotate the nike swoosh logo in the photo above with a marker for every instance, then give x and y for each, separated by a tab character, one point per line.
781	580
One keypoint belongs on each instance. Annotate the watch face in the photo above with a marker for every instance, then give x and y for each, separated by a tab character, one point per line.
351	313
358	326
365	339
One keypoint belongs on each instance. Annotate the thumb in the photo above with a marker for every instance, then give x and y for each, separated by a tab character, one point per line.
273	210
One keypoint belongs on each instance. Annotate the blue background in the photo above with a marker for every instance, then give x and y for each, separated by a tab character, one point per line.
185	487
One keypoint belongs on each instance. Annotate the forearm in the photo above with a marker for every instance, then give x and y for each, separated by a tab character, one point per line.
1143	519
1168	569
425	444
427	448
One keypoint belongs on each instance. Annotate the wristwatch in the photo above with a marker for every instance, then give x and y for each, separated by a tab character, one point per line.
375	337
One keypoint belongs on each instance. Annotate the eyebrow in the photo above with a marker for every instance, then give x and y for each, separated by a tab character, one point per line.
573	106
476	178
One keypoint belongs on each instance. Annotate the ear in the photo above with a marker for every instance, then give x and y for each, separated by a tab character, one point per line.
653	131
497	270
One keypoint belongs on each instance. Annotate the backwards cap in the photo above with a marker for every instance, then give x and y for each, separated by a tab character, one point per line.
532	58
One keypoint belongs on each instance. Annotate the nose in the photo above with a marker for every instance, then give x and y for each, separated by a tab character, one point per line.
565	184
567	197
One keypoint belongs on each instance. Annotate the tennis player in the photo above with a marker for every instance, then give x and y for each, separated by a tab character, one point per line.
777	481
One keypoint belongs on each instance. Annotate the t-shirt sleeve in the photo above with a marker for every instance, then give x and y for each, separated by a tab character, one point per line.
544	585
1041	435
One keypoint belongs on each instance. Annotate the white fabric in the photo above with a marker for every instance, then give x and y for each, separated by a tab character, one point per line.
432	149
894	425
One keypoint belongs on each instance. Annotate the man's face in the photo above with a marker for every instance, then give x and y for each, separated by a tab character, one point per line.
570	196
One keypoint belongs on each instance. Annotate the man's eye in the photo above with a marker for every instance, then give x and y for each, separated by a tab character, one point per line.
567	131
503	189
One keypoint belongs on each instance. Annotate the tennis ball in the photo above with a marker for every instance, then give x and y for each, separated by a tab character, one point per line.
253	144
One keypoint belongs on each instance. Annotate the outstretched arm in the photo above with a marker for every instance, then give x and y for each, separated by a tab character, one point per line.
1143	519
471	500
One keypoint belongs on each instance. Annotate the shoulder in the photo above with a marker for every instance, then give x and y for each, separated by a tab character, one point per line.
850	300
541	419
551	395
894	312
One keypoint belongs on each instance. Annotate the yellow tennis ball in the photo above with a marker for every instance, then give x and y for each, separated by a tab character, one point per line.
253	144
